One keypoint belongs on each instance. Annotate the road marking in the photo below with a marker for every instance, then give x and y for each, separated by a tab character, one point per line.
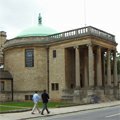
113	115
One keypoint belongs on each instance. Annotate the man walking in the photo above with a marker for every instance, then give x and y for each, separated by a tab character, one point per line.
36	99
45	98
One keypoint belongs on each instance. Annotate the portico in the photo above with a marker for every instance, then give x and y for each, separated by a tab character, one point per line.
88	65
89	68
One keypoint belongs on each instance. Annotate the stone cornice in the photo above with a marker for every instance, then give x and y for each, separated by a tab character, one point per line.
62	38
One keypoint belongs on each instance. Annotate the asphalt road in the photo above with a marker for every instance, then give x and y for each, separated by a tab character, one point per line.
110	113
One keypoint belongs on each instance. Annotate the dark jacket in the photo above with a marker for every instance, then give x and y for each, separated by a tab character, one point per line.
45	97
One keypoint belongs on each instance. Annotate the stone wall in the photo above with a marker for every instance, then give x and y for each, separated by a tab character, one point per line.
5	96
119	78
57	71
2	38
27	78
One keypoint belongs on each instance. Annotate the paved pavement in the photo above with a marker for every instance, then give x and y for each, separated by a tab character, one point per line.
56	111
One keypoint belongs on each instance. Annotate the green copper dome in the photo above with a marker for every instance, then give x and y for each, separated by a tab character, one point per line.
38	30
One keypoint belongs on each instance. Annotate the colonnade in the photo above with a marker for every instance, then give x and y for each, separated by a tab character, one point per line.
100	71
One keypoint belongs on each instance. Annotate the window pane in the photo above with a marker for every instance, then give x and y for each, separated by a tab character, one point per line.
53	87
54	53
31	97
1	86
29	58
26	97
57	86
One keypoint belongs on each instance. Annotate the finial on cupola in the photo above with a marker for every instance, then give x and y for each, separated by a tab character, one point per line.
39	19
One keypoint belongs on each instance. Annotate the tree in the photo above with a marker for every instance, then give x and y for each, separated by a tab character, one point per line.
118	62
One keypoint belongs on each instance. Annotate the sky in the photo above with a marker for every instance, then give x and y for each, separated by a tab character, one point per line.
61	15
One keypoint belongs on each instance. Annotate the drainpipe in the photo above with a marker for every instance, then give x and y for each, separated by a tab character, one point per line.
48	69
12	89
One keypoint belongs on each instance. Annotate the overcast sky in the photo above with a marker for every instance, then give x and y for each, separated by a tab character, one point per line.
62	15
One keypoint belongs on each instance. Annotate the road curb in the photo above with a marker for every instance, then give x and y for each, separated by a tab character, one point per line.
70	112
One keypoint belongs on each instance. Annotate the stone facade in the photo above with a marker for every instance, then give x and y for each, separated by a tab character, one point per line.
30	79
2	41
72	65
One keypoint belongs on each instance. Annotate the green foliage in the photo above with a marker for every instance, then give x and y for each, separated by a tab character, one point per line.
112	63
118	62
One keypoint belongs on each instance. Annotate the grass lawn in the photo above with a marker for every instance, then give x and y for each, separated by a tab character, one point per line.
10	106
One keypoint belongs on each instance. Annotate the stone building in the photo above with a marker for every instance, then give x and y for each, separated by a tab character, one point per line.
70	65
6	83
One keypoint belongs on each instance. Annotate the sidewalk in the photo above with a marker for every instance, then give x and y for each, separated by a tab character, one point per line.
56	111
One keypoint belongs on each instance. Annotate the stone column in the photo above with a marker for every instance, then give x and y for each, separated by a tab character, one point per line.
77	67
115	77
90	66
77	93
108	69
85	69
1	56
99	67
103	69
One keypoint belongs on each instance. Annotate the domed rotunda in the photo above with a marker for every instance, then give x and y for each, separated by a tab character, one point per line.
26	58
38	30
